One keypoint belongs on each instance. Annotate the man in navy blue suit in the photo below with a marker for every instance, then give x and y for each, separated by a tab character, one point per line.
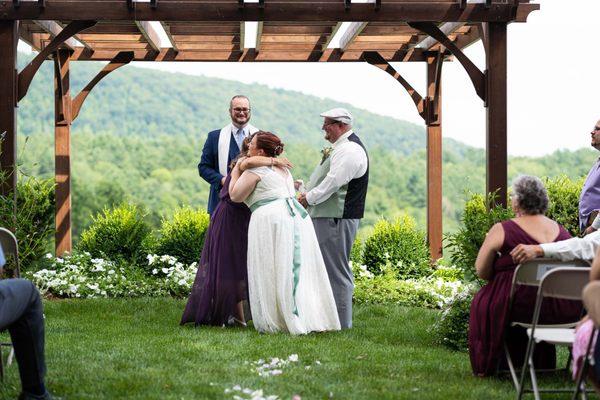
223	145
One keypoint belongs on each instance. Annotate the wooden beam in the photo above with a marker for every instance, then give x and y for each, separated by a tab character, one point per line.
496	112
188	10
166	54
434	156
149	33
27	74
259	31
446	29
351	33
62	152
167	29
9	38
53	28
474	73
121	59
375	59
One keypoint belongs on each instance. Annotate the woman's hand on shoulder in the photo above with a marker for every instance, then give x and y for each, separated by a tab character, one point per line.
283	162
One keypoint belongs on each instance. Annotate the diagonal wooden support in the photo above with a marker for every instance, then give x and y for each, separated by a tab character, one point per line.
477	77
27	74
375	59
121	59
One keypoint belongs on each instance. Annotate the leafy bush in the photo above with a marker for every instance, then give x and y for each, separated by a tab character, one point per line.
452	327
117	234
356	254
34	221
401	244
430	291
476	222
183	236
564	202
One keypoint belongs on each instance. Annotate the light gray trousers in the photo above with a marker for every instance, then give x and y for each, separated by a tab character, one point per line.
336	237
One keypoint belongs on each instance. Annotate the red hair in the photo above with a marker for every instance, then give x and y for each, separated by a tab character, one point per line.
269	143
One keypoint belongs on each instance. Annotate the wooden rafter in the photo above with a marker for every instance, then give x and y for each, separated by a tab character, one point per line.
53	28
27	74
351	33
272	11
149	33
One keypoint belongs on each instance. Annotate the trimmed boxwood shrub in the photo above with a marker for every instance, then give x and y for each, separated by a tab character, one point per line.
400	244
120	233
183	236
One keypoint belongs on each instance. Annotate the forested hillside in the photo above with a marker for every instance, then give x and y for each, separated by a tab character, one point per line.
140	133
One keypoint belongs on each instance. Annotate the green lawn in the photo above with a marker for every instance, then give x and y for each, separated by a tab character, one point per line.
135	349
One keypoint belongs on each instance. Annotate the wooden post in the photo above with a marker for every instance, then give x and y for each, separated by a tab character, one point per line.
496	147
62	160
434	157
9	38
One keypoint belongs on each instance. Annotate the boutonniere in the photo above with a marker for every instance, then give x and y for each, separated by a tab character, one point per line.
325	153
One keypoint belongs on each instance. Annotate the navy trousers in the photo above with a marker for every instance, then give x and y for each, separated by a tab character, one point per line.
21	312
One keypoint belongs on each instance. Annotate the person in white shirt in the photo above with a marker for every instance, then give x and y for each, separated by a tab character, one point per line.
335	199
575	248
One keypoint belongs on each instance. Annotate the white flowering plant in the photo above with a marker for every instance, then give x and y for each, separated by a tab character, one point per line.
82	276
433	291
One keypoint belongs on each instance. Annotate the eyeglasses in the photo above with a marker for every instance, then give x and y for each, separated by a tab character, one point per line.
241	110
327	123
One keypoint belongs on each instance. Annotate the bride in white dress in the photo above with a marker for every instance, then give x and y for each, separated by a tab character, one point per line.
287	281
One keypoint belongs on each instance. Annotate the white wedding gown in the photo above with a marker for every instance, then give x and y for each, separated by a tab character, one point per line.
271	263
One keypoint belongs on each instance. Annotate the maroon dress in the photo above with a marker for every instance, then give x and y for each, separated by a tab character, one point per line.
222	278
488	319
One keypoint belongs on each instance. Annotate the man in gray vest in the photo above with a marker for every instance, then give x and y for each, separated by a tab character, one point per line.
335	199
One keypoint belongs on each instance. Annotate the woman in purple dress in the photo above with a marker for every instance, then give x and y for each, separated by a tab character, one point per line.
220	289
488	320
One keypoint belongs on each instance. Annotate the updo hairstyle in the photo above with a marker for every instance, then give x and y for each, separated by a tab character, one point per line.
530	194
269	143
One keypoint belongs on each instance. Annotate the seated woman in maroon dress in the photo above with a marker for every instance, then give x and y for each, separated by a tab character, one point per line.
489	319
221	285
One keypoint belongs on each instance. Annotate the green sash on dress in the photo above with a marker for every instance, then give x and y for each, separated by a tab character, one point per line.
294	208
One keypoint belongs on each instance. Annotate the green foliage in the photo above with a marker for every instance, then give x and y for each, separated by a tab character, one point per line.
183	236
356	254
119	233
452	327
564	201
476	222
398	243
34	220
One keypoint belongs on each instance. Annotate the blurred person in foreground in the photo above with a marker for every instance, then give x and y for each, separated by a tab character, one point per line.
21	312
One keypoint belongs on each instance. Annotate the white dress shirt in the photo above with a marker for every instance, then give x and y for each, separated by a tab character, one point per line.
348	161
575	248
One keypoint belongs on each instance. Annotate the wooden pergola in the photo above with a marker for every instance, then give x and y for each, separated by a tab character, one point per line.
379	32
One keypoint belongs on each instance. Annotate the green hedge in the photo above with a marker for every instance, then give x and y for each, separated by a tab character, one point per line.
400	244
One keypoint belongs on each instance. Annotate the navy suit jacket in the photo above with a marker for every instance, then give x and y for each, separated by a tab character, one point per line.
209	165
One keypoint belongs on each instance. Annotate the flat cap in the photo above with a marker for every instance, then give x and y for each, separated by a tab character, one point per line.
338	114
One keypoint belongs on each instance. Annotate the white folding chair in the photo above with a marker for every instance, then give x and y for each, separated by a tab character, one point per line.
562	283
10	247
530	273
